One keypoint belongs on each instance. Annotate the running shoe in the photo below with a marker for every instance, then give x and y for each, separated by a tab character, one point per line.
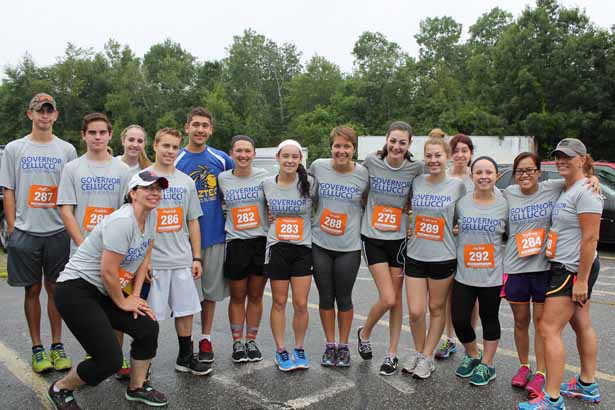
240	354
206	351
446	349
424	368
59	358
300	360
575	389
343	357
389	366
411	363
364	346
124	372
254	353
522	377
535	385
482	375
63	399
543	402
191	364
40	360
329	357
148	395
283	361
468	364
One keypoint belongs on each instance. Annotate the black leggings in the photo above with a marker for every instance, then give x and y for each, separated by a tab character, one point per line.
92	317
462	303
335	273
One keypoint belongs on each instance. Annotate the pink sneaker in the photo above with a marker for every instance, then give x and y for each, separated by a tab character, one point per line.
534	387
522	377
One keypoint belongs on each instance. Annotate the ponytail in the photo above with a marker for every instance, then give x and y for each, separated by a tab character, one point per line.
304	184
588	166
144	161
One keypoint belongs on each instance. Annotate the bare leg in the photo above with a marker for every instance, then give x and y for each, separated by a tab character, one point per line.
301	288
587	342
539	345
71	381
396	313
183	326
237	306
327	318
386	297
438	292
279	290
416	294
521	313
138	373
32	307
254	310
344	322
207	316
55	320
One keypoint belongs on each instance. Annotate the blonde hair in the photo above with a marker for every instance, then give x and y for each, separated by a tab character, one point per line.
438	141
437	133
144	161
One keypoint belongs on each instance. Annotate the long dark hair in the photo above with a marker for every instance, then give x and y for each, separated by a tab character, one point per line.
464	139
397	126
304	183
535	158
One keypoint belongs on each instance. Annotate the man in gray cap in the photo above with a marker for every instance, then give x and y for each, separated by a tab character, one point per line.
38	243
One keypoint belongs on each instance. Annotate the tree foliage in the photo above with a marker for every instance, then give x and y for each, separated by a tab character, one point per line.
549	73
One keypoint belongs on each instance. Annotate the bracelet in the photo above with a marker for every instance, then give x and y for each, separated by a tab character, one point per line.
197	260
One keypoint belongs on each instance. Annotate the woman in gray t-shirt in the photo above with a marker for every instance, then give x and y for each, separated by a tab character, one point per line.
134	140
288	258
571	248
102	282
482	223
383	230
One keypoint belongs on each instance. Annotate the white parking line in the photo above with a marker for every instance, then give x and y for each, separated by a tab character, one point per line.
398	384
306	401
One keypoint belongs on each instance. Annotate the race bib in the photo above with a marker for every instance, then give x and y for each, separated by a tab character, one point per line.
428	227
246	217
94	215
386	218
333	223
288	228
479	256
169	219
42	196
530	242
126	280
551	244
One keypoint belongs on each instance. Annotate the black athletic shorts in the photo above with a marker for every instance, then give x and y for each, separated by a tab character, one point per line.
392	251
562	280
430	270
244	257
288	260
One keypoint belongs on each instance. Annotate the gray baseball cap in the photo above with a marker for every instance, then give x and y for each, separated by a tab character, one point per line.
570	147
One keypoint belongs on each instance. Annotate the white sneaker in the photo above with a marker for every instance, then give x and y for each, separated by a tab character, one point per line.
424	367
412	362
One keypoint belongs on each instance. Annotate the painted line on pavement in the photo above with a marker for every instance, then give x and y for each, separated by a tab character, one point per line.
306	401
504	352
24	373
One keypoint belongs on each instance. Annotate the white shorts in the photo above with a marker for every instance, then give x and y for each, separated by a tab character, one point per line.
173	290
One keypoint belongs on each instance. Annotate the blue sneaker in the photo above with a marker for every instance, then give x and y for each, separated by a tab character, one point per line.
542	402
482	375
576	390
300	360
283	360
468	364
329	358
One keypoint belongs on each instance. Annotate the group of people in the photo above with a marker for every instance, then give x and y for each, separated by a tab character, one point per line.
127	243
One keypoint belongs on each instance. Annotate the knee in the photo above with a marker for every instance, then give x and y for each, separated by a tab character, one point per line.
238	299
300	308
522	323
436	309
34	291
547	329
417	315
388	301
279	304
255	299
344	304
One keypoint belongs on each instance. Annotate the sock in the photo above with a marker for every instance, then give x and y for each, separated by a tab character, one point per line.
37	348
553	399
280	349
525	365
56	389
185	346
251	332
56	346
342	346
298	347
391	355
541	373
236	331
206	337
330	345
584	384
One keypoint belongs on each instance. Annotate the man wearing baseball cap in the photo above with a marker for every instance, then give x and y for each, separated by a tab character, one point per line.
38	242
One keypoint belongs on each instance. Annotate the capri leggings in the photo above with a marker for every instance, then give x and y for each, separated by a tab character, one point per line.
335	273
92	317
462	303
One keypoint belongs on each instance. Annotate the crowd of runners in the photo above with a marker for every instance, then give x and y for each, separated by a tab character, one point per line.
123	243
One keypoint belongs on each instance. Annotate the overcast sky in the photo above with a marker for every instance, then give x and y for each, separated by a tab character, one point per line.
206	28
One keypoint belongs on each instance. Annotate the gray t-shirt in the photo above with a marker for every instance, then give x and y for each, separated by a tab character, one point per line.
565	234
133	169
290	211
466	179
433	207
529	219
479	249
337	223
178	205
118	233
95	189
33	171
389	189
244	199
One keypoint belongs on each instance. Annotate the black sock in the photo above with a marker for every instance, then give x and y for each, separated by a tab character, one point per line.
55	345
582	383
37	348
553	400
185	346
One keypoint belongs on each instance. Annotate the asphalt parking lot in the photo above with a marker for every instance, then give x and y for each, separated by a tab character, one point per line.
262	386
